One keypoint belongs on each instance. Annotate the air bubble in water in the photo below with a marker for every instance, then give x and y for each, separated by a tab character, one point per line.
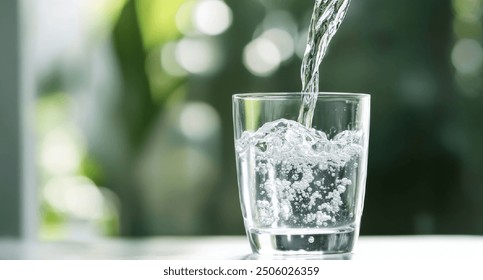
295	184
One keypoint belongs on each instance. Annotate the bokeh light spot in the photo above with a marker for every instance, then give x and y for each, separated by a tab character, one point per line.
169	62
261	57
468	10
184	18
212	17
198	56
282	40
77	196
199	121
467	56
60	153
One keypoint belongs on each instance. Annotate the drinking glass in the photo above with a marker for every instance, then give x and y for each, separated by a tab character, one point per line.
301	188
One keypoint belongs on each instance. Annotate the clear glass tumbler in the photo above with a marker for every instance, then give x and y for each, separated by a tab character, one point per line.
301	188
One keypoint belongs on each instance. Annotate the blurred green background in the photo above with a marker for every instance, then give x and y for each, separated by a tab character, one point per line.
133	110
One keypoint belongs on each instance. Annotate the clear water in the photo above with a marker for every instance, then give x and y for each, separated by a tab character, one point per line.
304	242
326	19
295	180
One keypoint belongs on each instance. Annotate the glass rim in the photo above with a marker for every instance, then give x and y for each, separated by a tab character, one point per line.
286	95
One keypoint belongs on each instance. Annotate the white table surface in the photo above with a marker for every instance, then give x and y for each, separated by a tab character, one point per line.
236	247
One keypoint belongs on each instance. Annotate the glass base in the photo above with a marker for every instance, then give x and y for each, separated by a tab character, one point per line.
303	241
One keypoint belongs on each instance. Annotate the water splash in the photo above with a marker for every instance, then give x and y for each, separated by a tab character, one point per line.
326	19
